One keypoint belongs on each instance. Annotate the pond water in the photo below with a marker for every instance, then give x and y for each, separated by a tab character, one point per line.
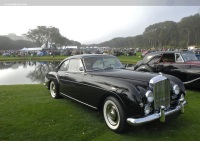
24	72
28	72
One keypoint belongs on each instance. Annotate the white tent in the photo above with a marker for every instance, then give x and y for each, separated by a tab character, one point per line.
32	49
24	49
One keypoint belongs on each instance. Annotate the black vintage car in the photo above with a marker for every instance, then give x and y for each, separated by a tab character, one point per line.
182	64
102	83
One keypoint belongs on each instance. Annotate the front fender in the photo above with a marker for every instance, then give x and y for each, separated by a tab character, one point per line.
130	94
49	77
174	80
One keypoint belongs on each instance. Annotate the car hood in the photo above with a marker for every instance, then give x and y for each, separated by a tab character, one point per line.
126	74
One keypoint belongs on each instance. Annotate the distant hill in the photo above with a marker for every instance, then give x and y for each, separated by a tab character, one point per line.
9	44
171	34
13	36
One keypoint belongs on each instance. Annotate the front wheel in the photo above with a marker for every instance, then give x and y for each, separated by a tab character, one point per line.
54	89
114	115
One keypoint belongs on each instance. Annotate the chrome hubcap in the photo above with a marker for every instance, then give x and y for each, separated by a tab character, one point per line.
112	114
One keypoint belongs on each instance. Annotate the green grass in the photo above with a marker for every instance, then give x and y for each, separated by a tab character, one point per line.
43	58
130	59
27	112
124	59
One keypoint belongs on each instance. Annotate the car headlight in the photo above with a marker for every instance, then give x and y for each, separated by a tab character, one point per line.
176	89
149	95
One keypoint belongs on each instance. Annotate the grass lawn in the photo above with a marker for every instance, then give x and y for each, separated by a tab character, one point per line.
27	112
28	58
124	59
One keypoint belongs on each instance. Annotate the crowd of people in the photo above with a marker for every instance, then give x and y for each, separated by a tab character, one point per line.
77	51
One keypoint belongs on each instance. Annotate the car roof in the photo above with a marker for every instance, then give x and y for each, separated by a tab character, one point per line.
88	55
166	52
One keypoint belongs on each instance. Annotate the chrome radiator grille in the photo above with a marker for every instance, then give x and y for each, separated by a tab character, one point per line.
161	91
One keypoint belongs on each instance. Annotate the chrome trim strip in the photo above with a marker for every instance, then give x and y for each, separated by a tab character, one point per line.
139	121
157	78
161	91
80	83
78	100
188	82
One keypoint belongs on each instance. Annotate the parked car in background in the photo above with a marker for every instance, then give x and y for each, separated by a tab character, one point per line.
67	52
126	97
6	54
41	53
182	64
130	53
144	53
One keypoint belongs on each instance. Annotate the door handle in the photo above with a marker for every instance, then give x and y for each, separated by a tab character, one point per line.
66	73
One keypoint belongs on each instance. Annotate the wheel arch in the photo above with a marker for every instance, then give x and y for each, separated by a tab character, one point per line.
51	77
105	96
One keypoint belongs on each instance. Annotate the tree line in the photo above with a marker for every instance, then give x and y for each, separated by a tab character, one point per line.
41	36
184	33
163	34
49	36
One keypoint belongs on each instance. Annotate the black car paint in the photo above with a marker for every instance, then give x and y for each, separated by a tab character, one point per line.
91	88
185	71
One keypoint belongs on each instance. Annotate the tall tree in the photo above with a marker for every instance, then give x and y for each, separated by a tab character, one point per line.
48	36
45	35
162	34
189	30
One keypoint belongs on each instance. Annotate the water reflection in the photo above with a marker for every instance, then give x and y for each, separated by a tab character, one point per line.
29	72
40	70
24	72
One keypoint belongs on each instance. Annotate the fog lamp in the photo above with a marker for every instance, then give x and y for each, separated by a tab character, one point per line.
147	109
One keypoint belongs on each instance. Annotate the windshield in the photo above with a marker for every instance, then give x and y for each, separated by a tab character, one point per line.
102	63
189	57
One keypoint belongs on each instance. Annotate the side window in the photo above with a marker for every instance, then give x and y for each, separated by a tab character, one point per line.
169	57
178	57
64	66
75	65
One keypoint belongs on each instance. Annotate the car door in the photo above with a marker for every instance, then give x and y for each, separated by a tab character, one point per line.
173	64
93	83
71	78
165	63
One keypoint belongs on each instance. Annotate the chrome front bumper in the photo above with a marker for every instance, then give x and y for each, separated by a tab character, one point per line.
161	115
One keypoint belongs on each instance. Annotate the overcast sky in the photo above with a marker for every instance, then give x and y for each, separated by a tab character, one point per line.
90	24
